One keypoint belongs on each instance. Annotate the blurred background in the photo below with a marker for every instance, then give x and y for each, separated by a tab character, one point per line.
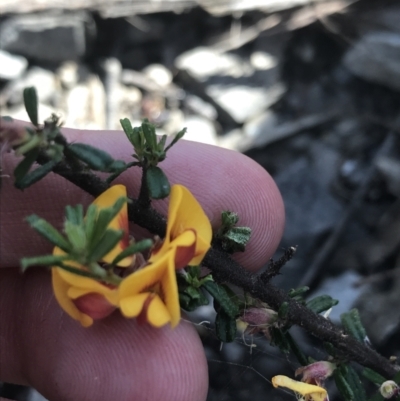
308	89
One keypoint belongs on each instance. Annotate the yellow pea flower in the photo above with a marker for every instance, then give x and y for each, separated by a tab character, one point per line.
189	231
151	293
84	298
307	391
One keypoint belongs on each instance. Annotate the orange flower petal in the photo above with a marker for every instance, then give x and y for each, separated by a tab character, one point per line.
60	288
315	393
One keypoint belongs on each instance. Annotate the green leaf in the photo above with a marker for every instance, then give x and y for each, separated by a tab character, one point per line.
157	183
31	104
223	298
373	376
127	127
132	249
46	230
235	239
149	132
355	383
104	218
352	325
90	222
295	349
96	159
7	119
23	167
161	144
76	236
107	242
46	260
74	214
279	339
321	303
177	137
341	383
35	175
225	327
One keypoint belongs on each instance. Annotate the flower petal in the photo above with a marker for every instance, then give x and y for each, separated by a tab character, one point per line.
84	285
316	393
133	306
157	313
60	288
143	282
186	213
120	221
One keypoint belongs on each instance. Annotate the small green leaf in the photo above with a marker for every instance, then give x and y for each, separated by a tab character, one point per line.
49	232
177	137
140	246
157	183
235	239
225	327
298	292
35	175
321	303
373	376
46	260
23	167
107	242
31	104
7	119
96	159
352	325
283	311
190	304
229	219
223	298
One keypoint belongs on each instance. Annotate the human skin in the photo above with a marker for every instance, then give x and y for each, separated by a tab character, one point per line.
117	359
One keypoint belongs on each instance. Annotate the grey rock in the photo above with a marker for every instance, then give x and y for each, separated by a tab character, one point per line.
43	80
200	129
47	36
243	102
204	62
11	66
376	58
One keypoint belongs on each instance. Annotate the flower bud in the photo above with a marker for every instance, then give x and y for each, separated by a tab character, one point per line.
256	320
316	372
389	389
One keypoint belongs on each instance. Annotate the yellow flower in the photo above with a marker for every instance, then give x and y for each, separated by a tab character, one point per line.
189	231
306	391
84	298
151	293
